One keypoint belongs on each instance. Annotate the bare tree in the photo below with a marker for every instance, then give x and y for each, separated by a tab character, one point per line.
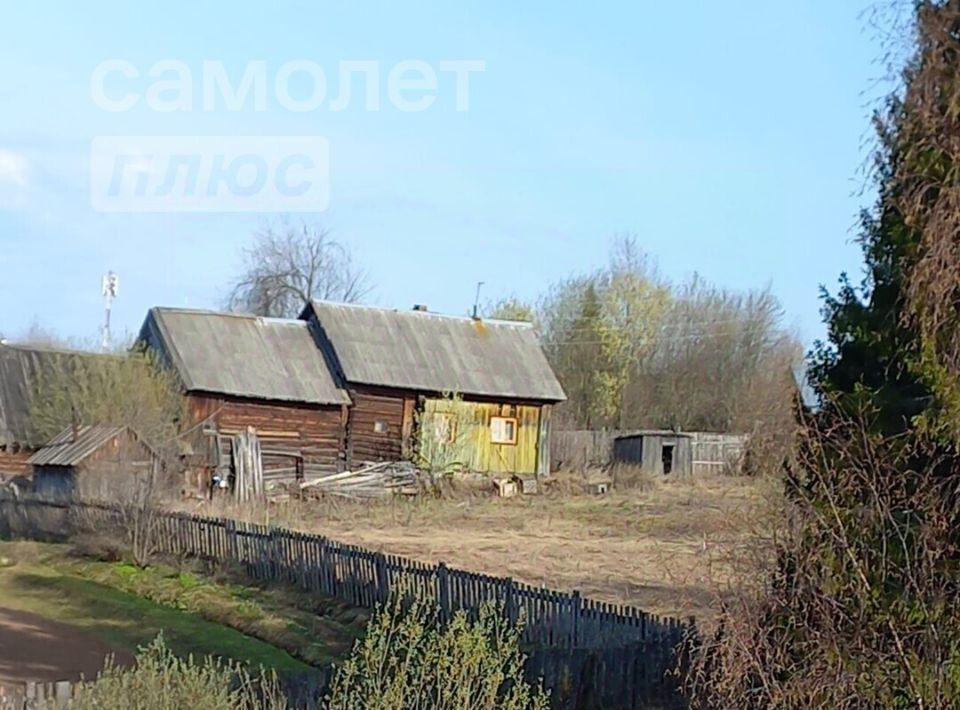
39	334
288	265
634	351
720	362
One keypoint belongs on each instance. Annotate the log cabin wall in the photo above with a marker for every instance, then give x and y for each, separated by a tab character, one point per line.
13	460
380	425
298	440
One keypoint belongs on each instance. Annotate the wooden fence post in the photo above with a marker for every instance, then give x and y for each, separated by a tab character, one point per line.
443	590
510	601
230	527
383	581
576	608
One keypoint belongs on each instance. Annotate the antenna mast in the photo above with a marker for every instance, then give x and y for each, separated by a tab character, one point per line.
110	288
476	301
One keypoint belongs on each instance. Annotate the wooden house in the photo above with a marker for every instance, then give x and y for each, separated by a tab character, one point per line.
93	461
22	369
240	372
419	381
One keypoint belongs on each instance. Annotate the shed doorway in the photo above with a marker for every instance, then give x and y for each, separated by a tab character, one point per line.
666	458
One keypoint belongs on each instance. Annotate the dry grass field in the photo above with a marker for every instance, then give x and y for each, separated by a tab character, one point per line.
670	546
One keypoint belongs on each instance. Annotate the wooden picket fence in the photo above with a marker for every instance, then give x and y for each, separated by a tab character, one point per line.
36	695
554	621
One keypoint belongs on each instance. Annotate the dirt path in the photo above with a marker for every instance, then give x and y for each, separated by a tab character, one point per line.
37	649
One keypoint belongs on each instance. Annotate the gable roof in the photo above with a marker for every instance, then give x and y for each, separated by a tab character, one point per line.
69	449
242	355
434	353
21	367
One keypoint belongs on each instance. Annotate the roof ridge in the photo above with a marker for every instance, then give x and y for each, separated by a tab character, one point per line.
424	314
228	314
55	349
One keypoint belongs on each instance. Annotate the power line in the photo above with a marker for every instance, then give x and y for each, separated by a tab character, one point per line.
654	339
677	325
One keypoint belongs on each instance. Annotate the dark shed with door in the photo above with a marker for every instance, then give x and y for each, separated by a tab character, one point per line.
681	453
658	451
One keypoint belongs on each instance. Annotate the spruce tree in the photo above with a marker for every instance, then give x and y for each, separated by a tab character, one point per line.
863	609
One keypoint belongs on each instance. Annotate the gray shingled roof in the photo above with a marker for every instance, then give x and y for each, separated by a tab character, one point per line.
66	449
435	353
21	367
242	355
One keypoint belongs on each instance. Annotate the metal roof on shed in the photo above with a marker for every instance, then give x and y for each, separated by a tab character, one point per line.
436	353
69	449
243	355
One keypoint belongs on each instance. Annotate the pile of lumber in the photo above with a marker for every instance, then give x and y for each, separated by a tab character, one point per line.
374	480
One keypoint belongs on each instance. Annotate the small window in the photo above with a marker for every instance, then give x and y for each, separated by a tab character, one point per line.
380	427
445	428
503	430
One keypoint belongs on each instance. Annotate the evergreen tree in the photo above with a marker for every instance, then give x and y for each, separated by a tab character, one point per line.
868	361
863	609
587	364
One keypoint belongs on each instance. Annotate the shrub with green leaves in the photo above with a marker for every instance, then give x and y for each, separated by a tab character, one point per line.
159	680
410	659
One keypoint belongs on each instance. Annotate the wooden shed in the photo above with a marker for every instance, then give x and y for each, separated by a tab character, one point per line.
93	461
662	452
241	371
419	380
680	453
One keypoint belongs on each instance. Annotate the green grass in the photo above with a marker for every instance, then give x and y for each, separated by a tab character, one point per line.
315	629
127	607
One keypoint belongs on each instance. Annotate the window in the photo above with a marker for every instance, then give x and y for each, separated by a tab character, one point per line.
503	430
379	427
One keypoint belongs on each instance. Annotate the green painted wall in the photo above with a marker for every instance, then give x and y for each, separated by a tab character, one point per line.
455	431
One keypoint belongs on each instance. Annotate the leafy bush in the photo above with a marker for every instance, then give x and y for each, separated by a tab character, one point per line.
159	680
862	609
409	659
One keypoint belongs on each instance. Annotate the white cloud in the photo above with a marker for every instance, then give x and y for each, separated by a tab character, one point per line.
13	168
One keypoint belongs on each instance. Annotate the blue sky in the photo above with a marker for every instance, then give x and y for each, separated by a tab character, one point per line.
728	137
